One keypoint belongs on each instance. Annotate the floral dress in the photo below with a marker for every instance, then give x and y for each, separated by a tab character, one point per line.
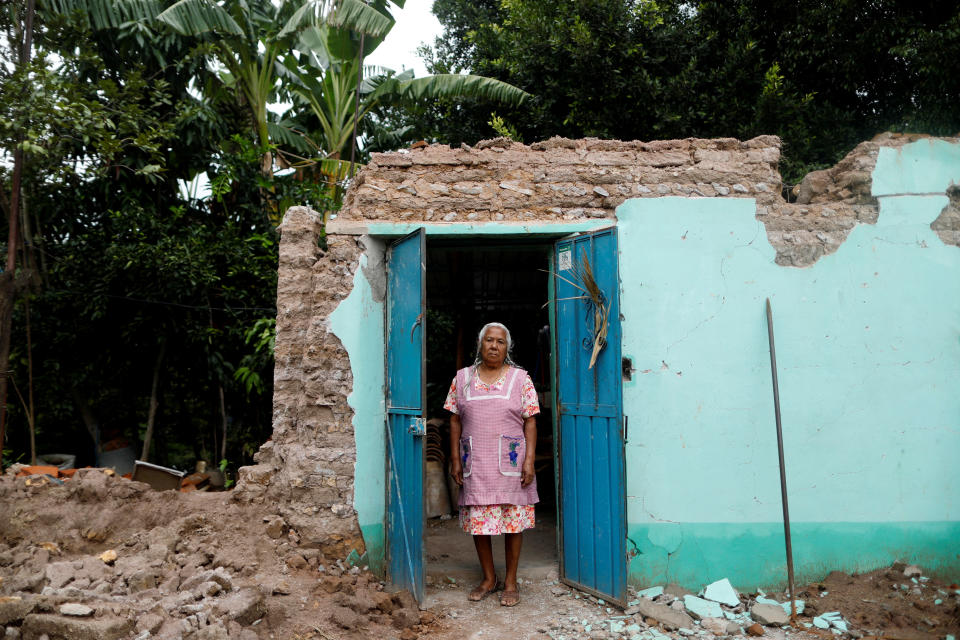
494	519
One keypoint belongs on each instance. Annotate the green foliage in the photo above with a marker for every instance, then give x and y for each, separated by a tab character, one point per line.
261	336
124	102
501	128
227	480
821	76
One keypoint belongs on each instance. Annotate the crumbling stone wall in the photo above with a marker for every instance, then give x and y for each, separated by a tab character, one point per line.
307	467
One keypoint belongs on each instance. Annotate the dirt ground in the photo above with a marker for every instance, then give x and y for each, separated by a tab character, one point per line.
206	566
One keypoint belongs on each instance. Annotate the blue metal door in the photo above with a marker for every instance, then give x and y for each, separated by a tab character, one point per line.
406	364
592	487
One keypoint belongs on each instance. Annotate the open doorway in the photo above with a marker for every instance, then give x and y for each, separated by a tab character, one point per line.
469	285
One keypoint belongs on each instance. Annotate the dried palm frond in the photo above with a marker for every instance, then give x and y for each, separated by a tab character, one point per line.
598	307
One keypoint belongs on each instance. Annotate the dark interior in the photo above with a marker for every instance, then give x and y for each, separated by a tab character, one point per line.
469	285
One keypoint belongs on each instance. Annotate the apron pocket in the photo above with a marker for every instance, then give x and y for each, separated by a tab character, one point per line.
511	454
466	455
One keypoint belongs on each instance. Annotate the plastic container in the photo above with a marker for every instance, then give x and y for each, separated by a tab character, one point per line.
120	460
438	500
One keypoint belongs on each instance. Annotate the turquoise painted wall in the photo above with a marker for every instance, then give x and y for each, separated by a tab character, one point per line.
868	349
868	344
358	323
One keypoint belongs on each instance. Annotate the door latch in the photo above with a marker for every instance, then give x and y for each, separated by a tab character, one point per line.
418	427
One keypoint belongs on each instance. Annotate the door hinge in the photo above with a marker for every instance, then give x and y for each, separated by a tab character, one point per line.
418	427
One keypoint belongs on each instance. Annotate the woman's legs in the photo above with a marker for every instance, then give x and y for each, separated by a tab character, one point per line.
485	555
511	547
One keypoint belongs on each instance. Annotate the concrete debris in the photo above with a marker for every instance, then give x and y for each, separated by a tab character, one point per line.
700	608
769	614
723	592
912	571
799	604
37	625
832	619
75	609
663	614
716	626
651	592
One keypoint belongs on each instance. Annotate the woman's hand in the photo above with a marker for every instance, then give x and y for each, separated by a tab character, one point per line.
456	470
527	473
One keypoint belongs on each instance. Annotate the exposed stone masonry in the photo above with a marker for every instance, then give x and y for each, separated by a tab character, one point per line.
308	466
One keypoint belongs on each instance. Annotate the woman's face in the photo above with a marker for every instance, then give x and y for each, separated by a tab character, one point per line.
493	347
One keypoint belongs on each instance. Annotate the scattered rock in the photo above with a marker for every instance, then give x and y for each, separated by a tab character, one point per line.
406	600
15	608
296	561
912	571
59	574
245	606
384	601
663	614
700	608
142	580
716	626
330	584
408	634
405	617
219	575
109	556
346	618
276	526
281	588
755	630
36	625
149	622
769	614
75	609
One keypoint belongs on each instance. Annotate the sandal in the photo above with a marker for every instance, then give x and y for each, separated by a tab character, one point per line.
510	598
479	593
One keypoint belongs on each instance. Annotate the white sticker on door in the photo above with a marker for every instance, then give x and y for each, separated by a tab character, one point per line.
565	259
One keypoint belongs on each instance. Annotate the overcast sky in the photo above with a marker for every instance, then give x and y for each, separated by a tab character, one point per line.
415	26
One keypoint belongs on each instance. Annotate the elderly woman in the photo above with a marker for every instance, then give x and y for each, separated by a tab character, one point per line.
493	440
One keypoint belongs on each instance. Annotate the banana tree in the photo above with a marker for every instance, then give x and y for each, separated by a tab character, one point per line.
333	98
249	38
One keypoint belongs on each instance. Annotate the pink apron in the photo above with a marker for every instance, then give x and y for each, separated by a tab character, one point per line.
492	446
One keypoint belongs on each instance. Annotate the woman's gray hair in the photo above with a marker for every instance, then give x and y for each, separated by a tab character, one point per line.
483	331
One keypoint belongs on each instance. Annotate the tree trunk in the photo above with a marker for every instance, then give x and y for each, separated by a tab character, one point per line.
223	418
154	403
31	414
7	293
8	281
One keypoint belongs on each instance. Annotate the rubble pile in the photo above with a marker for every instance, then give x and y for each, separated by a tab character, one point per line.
719	610
103	558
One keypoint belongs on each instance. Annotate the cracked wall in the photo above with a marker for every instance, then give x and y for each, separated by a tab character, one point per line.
867	341
323	466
